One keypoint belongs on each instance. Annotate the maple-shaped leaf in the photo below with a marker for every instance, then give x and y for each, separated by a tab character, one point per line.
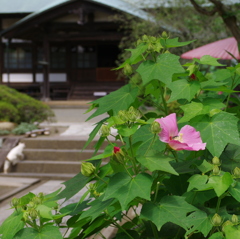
208	60
219	183
217	131
96	208
175	43
145	136
234	190
125	188
136	55
199	108
120	99
157	161
170	209
73	186
182	89
199	222
11	225
163	69
46	232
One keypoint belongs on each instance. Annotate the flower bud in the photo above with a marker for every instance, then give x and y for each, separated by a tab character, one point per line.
227	223
31	205
153	39
41	195
33	213
216	170
105	131
127	70
216	161
139	41
236	172
36	200
25	216
87	169
123	115
234	219
133	114
155	127
15	202
164	35
145	38
118	155
216	220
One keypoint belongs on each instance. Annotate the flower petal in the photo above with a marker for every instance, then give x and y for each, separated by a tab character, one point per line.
192	138
169	127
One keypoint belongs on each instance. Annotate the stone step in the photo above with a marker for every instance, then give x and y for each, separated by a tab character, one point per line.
58	154
57	143
43	176
59	167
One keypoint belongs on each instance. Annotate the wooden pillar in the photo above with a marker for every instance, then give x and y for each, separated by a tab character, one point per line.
45	63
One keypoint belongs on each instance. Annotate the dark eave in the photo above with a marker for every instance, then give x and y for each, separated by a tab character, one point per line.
33	24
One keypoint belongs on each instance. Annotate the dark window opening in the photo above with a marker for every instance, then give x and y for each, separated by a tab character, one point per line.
18	57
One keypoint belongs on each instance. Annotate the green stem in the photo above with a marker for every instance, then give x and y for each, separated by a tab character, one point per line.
150	145
156	193
163	101
127	170
228	98
132	154
175	155
100	178
154	230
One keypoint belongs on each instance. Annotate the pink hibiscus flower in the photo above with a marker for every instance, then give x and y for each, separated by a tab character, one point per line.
186	139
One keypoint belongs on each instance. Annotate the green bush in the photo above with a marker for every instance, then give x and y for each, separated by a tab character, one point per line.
24	128
27	109
8	112
4	132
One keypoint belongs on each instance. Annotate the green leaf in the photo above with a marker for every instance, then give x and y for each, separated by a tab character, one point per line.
108	151
162	70
198	108
157	161
45	212
120	99
177	185
217	131
232	232
145	136
208	60
46	232
94	132
125	131
175	43
217	235
182	89
199	222
74	208
124	188
11	225
170	209
73	186
136	54
234	190
197	181
205	167
220	183
97	208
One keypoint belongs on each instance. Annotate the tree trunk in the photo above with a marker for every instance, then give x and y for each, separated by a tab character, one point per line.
228	17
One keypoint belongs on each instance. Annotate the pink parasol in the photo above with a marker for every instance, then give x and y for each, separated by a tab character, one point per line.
217	49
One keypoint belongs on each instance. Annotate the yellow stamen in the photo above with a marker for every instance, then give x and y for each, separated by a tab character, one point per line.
179	138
